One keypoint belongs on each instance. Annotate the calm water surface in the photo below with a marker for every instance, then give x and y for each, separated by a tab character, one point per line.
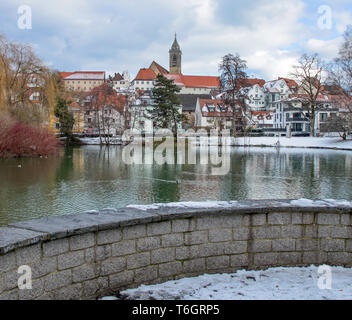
91	177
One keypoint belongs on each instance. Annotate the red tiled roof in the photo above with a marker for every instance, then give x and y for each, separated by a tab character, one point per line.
211	102
145	74
252	82
201	81
194	81
65	74
83	75
261	113
290	83
106	95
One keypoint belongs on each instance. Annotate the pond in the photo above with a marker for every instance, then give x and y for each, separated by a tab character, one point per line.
92	178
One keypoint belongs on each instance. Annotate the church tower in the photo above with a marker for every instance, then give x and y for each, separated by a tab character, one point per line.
175	54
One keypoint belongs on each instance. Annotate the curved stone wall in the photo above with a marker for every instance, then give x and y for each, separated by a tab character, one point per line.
92	254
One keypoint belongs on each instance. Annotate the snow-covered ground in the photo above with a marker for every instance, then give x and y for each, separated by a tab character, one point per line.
96	141
296	283
235	204
300	142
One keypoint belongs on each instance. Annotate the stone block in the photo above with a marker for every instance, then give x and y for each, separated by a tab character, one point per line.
218	262
159	228
134	232
7	262
293	232
138	260
258	219
123	248
113	265
235	247
328	218
339	258
109	236
265	259
196	237
163	255
170	269
27	255
70	259
72	292
242	233
121	279
239	260
194	265
332	245
314	257
55	247
85	272
210	249
146	244
92	288
220	235
279	218
307	245
82	241
184	225
43	267
259	246
58	280
172	240
341	232
283	245
103	252
289	258
271	232
146	274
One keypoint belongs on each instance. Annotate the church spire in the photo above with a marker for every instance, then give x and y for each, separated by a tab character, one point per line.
175	54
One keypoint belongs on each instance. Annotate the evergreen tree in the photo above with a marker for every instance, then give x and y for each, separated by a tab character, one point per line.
166	110
65	117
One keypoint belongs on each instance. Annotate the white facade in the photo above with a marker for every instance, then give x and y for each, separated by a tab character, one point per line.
110	120
255	97
213	115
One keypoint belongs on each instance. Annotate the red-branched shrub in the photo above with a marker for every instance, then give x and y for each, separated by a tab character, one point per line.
19	140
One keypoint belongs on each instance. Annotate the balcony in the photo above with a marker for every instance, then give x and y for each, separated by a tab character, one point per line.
297	119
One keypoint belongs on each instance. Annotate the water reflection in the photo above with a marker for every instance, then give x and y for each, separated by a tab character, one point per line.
91	177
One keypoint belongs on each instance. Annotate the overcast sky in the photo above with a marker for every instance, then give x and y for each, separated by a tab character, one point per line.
115	35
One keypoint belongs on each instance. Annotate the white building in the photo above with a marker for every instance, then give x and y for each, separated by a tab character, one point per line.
213	114
121	83
256	99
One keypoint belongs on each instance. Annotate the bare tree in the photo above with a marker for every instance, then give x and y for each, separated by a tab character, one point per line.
340	76
232	78
337	124
28	88
308	74
105	103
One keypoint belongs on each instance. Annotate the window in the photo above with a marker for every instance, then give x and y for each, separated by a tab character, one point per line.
323	116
